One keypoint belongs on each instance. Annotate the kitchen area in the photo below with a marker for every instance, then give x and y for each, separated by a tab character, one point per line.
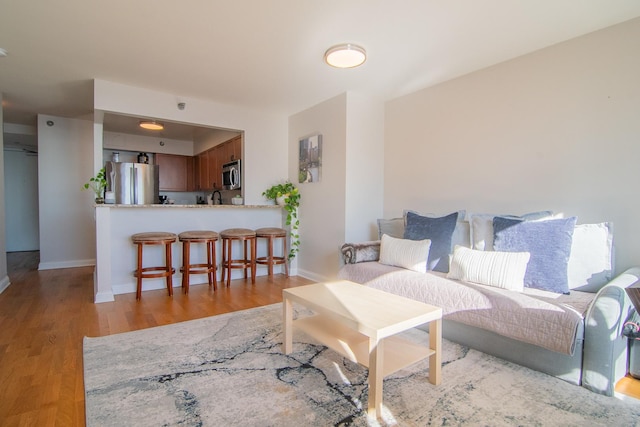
174	185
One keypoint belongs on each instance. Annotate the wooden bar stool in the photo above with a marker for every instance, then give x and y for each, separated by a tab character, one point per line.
272	233
166	270
209	268
244	236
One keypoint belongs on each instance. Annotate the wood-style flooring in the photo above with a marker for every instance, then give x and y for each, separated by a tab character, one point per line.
45	314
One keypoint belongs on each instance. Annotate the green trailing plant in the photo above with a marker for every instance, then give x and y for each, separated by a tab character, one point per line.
291	196
98	184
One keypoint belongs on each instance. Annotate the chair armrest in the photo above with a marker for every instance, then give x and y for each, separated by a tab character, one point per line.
353	253
605	348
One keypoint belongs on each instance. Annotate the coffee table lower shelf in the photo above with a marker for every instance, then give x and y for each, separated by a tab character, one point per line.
398	352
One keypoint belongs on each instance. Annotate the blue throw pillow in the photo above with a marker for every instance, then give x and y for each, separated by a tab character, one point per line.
548	242
439	231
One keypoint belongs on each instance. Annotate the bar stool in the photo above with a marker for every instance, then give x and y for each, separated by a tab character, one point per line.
244	236
272	233
166	270
209	268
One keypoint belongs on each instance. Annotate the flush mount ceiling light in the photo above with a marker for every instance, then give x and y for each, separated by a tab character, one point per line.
345	56
151	125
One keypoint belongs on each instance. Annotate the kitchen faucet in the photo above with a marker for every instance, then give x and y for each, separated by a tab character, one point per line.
213	197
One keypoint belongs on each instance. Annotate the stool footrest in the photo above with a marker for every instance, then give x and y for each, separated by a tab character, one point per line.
146	273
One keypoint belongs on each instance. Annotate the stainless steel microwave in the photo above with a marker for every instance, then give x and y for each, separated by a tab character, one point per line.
231	176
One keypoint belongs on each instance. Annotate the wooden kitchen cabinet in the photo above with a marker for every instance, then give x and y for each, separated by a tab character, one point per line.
208	164
235	151
202	162
174	172
191	174
215	169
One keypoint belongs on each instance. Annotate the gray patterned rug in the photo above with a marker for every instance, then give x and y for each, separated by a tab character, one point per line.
229	370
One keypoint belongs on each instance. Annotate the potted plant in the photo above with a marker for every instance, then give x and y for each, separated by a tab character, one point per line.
98	184
287	195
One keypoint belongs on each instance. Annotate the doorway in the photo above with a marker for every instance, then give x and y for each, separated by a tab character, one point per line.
21	200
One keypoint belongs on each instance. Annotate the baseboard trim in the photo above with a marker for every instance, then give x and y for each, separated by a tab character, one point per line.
104	297
312	276
66	264
4	283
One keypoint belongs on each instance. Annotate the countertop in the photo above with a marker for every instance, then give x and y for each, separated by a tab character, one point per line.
190	206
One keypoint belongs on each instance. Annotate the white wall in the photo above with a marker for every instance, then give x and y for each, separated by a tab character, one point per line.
365	167
67	227
265	134
4	278
349	196
148	144
556	129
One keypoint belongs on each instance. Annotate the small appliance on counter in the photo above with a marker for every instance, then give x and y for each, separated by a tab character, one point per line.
231	176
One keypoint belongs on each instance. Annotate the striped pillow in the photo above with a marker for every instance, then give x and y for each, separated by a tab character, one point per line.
405	253
500	269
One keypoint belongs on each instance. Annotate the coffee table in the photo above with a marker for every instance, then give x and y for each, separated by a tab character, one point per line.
360	323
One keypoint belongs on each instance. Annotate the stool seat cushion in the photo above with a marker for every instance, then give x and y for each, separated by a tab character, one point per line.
271	231
198	235
231	233
153	236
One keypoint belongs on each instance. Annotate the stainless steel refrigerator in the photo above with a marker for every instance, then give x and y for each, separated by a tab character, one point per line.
133	183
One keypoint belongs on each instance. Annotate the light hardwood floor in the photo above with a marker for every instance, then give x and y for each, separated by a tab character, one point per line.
45	314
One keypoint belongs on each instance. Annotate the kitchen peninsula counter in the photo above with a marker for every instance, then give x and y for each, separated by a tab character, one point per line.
116	256
192	206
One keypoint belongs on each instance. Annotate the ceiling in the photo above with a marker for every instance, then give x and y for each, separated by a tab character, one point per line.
267	55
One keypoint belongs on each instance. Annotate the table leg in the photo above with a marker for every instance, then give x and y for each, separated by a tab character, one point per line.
435	343
287	323
376	353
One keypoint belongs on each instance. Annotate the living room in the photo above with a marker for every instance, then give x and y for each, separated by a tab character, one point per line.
553	129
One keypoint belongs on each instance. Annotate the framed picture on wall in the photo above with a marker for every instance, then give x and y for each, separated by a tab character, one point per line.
310	156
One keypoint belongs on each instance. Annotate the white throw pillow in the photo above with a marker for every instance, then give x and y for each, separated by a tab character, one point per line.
591	261
409	254
500	269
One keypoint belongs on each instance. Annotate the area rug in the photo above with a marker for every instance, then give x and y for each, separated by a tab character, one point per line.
229	370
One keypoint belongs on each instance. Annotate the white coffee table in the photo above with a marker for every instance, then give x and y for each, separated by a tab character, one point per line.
359	323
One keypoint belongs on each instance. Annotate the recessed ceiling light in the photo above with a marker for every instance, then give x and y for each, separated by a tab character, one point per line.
151	125
3	52
345	56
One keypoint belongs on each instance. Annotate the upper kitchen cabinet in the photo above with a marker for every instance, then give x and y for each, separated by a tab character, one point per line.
176	172
202	171
209	163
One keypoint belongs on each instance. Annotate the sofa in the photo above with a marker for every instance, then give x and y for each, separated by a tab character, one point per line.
535	289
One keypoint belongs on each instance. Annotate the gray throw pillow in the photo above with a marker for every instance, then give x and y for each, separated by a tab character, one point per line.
548	242
439	230
393	227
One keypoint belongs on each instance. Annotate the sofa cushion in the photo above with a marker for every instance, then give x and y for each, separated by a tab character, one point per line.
409	254
548	242
393	227
460	233
591	260
481	227
439	230
500	269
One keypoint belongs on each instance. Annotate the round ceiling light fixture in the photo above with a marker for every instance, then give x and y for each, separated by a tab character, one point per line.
345	56
151	125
